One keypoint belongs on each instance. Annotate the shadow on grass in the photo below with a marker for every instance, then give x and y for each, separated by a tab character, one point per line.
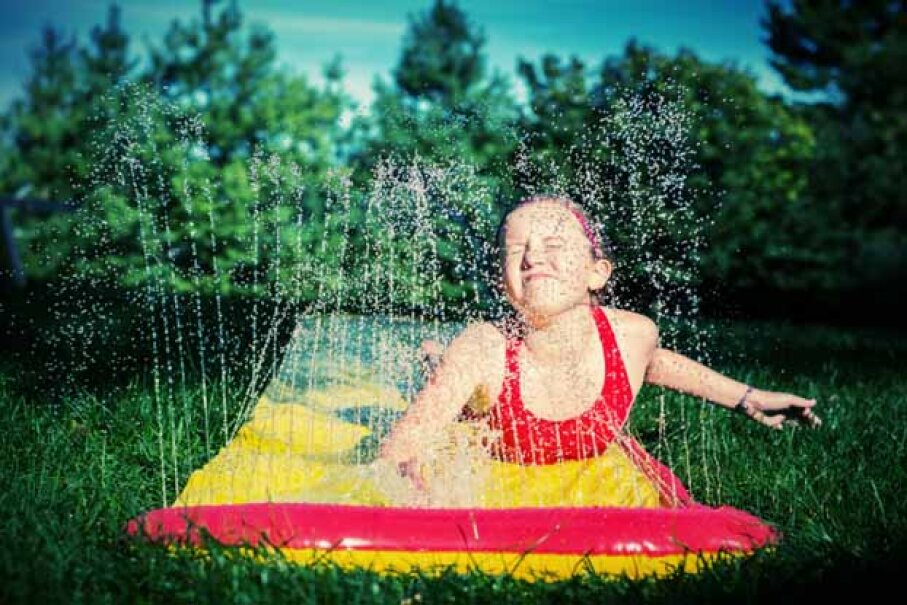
782	576
80	338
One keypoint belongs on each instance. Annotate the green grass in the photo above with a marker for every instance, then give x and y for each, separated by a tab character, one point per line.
74	468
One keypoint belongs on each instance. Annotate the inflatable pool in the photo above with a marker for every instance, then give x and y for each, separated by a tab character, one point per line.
278	483
531	543
300	476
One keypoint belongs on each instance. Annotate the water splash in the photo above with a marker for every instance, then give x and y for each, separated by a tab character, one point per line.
362	277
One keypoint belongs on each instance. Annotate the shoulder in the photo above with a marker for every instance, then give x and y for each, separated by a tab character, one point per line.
633	326
477	340
475	354
480	334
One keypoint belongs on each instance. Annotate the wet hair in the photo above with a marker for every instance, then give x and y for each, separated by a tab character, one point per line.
599	244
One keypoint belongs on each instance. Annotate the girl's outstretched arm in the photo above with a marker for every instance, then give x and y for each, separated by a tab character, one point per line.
438	404
673	370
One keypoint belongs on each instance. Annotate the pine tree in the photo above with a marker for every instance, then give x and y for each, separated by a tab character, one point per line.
442	58
52	130
443	109
218	151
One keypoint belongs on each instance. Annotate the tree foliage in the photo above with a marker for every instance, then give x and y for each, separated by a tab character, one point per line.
49	131
196	173
685	149
445	122
851	56
205	166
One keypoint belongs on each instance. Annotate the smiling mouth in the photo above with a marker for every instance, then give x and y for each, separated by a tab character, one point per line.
537	276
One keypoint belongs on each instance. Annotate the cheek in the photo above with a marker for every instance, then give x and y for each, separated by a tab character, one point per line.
511	273
567	262
575	267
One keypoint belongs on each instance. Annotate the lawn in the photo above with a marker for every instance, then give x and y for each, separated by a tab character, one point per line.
75	466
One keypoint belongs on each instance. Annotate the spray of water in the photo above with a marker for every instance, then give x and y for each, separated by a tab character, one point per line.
363	281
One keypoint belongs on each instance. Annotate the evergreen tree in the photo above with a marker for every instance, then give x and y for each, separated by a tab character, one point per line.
45	125
442	103
203	170
51	132
107	61
442	58
443	110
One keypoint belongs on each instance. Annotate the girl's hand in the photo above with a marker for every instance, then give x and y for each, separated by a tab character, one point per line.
430	353
412	470
402	483
777	409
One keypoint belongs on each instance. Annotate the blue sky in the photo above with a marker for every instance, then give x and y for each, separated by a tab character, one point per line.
368	35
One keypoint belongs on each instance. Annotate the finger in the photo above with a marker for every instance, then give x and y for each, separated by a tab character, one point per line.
793	413
812	419
807	417
790	402
808	414
769	421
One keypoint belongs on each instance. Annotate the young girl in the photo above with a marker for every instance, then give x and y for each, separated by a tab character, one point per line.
555	391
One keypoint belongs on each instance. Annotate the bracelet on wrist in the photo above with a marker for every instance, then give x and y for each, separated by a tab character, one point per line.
743	406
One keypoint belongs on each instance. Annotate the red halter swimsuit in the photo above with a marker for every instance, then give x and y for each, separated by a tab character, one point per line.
529	440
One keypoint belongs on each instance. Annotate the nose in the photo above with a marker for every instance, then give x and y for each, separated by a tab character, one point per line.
533	255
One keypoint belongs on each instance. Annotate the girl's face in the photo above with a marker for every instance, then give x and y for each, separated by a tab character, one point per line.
548	265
